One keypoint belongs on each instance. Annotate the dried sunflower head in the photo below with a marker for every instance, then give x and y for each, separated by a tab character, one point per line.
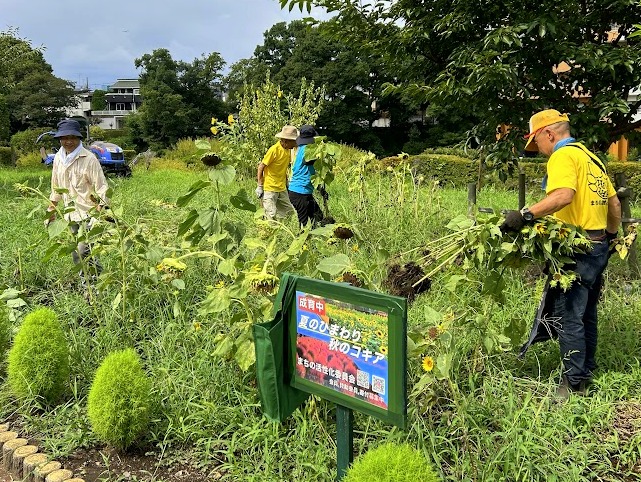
263	283
210	159
343	232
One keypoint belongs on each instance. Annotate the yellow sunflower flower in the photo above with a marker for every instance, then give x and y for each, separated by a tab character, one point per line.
428	364
230	119
197	326
214	130
383	350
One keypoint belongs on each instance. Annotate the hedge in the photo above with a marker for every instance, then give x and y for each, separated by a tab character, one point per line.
25	141
458	172
6	156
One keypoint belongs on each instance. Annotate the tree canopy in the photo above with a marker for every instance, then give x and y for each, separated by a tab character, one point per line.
179	98
502	61
353	79
30	94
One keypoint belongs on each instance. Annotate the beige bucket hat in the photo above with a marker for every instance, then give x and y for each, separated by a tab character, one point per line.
288	132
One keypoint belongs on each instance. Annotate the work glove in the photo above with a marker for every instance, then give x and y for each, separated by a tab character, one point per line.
259	191
323	192
513	222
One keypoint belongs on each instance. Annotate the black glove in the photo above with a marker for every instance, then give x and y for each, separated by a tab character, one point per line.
612	246
513	222
323	192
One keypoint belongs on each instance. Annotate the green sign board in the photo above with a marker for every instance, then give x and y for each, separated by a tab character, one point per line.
348	346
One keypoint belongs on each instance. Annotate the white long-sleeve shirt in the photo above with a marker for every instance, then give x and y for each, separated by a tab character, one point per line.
83	179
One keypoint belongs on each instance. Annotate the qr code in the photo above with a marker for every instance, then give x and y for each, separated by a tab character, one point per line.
378	385
362	379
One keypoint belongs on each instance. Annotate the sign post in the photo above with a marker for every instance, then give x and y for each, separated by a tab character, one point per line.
344	440
348	345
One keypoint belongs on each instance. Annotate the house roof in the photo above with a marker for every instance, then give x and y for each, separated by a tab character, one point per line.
125	84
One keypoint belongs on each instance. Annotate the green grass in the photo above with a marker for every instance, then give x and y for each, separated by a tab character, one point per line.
494	420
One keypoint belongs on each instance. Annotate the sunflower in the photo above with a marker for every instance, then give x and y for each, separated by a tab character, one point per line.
383	350
428	364
230	119
379	333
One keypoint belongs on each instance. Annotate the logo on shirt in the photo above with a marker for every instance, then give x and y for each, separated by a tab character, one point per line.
597	183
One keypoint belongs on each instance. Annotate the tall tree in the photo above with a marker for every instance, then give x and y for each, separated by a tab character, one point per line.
179	98
33	95
353	79
503	60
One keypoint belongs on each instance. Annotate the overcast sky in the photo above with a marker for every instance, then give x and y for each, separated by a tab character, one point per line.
98	42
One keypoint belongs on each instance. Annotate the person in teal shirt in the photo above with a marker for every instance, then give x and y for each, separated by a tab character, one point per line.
301	189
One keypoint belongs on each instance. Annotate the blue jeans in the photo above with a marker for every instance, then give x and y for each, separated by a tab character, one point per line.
577	309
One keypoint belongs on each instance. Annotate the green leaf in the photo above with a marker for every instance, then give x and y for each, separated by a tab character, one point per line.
254	243
56	228
188	222
297	244
16	303
242	201
228	266
116	301
9	294
452	283
245	355
460	223
222	173
223	347
430	315
334	265
178	284
216	302
193	190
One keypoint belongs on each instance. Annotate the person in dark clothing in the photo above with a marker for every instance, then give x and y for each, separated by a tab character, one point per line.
301	189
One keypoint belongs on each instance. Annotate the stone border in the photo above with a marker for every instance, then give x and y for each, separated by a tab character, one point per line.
26	463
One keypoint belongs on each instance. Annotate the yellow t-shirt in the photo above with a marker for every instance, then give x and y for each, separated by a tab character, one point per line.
276	164
572	167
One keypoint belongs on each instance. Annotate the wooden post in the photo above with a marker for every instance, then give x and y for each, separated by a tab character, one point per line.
521	190
8	448
624	193
29	465
471	198
344	440
17	461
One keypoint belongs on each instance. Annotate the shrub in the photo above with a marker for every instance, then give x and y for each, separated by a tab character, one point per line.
6	156
391	463
5	333
39	359
119	403
30	159
25	141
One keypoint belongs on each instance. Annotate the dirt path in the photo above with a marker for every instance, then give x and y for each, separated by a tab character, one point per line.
5	476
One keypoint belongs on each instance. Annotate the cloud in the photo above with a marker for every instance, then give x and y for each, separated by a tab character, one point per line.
101	41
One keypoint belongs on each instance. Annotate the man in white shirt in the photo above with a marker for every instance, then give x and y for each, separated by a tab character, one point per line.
77	170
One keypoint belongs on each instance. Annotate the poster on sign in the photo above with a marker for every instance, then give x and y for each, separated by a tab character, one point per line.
348	345
342	346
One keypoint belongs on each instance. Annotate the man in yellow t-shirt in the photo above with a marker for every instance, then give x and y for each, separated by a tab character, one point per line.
272	175
578	192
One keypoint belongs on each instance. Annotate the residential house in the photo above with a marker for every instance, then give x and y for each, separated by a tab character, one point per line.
123	98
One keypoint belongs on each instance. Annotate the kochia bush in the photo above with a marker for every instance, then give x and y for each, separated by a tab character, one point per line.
120	401
39	359
391	463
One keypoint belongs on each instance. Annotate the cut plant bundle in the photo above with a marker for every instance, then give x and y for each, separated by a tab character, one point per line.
479	245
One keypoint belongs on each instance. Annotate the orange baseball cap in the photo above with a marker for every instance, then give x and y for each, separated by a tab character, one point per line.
540	120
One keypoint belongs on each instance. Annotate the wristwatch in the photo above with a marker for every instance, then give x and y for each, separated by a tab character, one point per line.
527	214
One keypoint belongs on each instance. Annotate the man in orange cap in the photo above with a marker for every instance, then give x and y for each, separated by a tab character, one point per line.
578	192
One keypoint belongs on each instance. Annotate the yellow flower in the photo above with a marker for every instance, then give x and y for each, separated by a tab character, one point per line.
383	350
230	119
280	94
220	284
197	326
355	248
380	334
428	364
305	247
213	120
540	228
214	130
563	233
